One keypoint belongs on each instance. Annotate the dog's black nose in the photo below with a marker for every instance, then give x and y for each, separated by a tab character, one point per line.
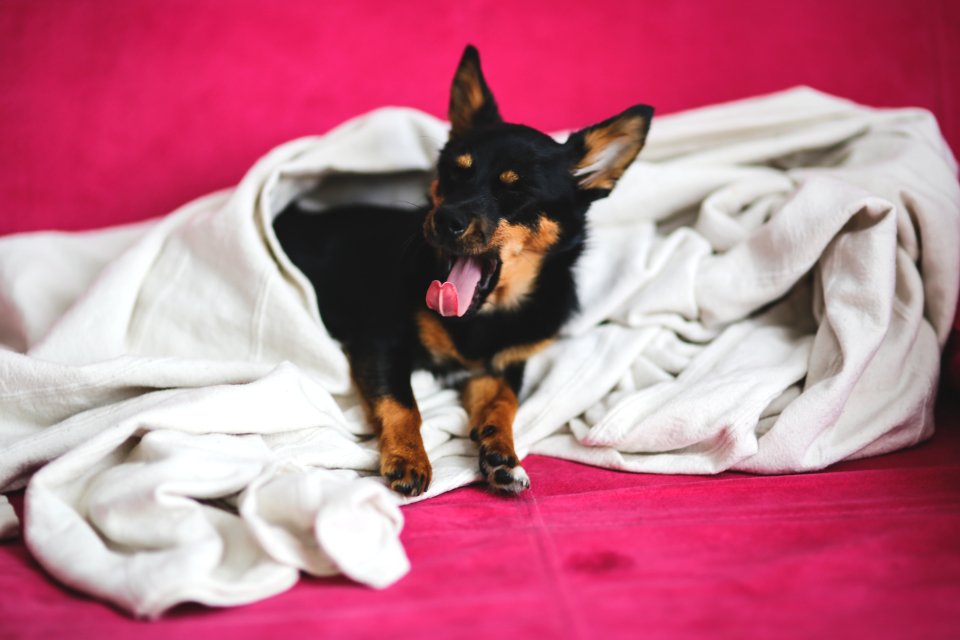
451	224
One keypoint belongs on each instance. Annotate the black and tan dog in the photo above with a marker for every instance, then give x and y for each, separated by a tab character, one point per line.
470	286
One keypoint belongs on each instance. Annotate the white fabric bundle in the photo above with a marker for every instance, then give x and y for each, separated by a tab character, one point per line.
766	290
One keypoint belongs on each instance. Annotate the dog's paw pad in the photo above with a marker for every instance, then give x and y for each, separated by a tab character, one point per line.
509	480
502	471
494	459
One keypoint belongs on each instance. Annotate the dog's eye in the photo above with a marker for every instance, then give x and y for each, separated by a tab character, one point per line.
509	177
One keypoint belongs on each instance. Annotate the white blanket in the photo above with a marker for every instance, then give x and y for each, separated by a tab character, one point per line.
766	290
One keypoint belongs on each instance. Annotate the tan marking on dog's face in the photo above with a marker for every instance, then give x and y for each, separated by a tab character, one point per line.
520	353
438	342
476	237
521	252
464	160
470	234
509	177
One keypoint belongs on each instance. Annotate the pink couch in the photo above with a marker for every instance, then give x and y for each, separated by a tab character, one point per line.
115	112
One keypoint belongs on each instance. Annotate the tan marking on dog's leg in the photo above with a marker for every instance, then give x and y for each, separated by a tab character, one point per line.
492	406
403	459
438	342
521	353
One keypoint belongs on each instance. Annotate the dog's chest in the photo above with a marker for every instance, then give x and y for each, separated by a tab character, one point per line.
447	359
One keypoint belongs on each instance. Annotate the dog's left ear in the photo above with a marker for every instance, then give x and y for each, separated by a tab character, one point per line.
602	153
471	102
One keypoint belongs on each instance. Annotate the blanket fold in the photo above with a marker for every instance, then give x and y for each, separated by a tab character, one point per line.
767	290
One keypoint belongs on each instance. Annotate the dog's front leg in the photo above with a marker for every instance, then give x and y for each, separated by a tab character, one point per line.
383	377
403	459
491	401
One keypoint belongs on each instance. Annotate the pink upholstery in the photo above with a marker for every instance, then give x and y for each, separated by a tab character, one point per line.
114	112
121	112
866	549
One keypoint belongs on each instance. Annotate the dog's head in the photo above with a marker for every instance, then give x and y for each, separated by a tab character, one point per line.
507	197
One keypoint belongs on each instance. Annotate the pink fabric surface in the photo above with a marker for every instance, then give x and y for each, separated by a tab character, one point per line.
865	549
114	112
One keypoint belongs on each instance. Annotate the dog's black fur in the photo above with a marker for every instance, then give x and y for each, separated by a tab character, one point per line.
506	194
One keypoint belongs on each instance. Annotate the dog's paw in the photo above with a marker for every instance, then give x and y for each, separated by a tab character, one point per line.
408	475
508	479
499	466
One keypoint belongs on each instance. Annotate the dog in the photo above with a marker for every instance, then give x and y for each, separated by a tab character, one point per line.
470	285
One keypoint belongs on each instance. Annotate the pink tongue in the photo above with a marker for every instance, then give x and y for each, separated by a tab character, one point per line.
453	297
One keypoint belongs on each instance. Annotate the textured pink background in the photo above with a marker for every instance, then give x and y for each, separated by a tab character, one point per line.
118	111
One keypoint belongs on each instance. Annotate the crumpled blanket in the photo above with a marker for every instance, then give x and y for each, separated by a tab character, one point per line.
766	290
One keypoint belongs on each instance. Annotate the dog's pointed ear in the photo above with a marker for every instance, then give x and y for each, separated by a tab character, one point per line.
471	102
602	153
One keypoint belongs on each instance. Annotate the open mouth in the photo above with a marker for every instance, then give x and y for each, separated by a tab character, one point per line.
468	282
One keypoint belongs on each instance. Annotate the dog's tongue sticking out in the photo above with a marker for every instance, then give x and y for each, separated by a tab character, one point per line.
453	297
